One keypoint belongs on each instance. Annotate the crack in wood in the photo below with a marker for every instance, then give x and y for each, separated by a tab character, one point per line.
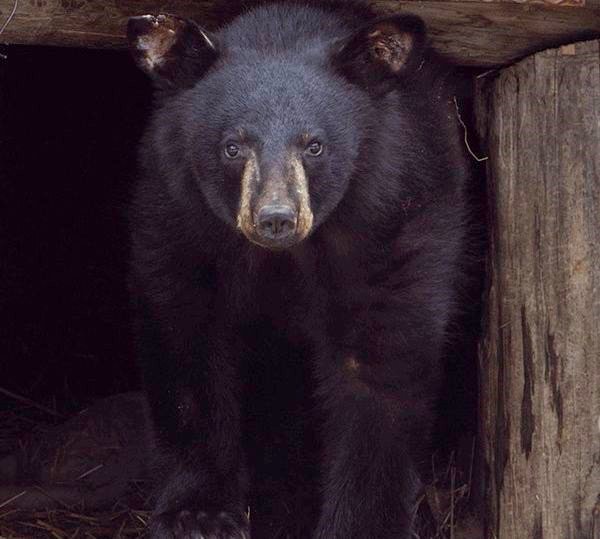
527	416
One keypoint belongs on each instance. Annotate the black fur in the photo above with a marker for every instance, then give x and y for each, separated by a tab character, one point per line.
353	320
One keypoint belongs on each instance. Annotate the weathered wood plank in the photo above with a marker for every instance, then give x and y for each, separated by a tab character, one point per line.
470	32
540	359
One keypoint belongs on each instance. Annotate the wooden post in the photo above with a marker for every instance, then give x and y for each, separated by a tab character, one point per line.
540	357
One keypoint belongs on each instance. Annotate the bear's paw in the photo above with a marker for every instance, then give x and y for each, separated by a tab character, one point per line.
201	524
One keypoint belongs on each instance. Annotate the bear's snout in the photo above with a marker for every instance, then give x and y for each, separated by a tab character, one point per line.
274	210
276	222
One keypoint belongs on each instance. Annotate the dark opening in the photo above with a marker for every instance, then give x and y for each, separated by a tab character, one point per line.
70	121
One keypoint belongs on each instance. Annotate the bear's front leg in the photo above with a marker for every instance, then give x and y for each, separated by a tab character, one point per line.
193	388
371	482
379	411
380	370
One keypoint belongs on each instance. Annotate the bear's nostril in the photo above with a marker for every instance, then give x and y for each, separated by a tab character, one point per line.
276	222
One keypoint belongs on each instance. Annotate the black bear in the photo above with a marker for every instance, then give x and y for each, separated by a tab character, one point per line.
301	209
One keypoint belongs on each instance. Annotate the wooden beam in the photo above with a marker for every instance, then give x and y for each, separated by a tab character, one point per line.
470	32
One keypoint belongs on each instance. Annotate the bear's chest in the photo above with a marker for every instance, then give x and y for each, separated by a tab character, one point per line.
274	293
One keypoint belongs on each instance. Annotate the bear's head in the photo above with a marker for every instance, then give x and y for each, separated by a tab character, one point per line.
272	126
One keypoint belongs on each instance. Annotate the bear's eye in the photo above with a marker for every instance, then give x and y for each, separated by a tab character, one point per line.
232	150
315	148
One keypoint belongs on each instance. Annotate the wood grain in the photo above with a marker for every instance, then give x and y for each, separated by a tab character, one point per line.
540	359
470	32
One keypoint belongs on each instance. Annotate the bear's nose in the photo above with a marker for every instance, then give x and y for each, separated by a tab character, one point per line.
276	222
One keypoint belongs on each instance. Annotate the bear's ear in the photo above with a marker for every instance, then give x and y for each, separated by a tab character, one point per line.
382	51
175	52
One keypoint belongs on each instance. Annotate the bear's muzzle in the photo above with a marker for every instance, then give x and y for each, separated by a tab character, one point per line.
274	210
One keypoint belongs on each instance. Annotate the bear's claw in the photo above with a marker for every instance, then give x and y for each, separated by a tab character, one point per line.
200	525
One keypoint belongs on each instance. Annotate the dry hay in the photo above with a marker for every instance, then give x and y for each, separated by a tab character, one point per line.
445	509
20	427
118	523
